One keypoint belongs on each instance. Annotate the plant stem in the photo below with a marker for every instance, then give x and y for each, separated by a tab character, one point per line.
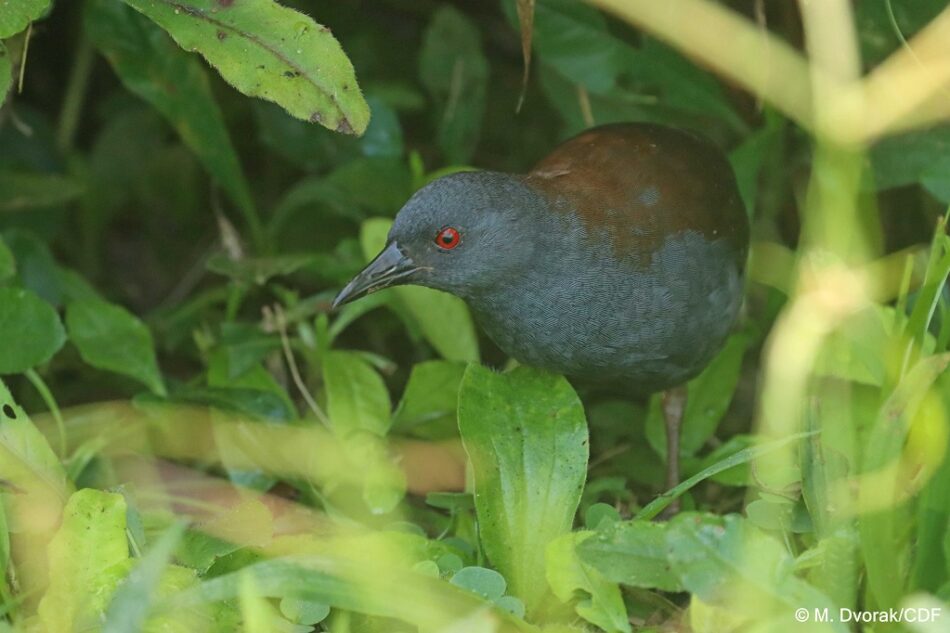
50	401
75	95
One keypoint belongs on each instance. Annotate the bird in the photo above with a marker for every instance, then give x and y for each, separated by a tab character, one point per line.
617	259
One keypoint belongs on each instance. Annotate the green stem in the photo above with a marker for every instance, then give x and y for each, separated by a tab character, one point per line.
75	95
50	401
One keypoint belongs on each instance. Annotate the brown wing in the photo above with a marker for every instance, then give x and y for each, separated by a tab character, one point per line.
641	183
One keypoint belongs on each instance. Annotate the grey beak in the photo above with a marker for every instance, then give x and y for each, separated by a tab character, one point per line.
390	268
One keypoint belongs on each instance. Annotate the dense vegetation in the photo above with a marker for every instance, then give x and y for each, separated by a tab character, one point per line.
192	440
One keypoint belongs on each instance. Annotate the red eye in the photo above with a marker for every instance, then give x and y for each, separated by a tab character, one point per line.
448	238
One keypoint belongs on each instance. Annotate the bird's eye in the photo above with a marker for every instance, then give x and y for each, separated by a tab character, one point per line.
448	238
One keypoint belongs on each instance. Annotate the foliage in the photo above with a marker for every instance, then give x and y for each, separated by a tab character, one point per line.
211	447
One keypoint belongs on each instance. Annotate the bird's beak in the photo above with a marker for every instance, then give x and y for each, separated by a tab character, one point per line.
390	268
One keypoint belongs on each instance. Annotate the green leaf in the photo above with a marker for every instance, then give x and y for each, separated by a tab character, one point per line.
30	331
569	576
269	51
573	39
111	338
6	73
36	268
632	553
678	83
305	612
487	583
7	262
454	69
357	399
199	550
708	397
359	409
345	580
443	319
881	24
175	84
430	401
88	558
257	270
526	437
29	468
16	15
921	156
20	190
726	561
738	458
129	607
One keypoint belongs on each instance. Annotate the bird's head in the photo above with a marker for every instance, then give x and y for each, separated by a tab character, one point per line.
461	233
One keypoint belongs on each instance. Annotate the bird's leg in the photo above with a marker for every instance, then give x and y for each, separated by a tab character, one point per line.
674	404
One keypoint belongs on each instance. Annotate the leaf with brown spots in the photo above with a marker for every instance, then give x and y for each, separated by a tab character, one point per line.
269	51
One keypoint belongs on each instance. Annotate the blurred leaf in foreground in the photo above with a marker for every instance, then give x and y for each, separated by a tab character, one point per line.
272	52
88	558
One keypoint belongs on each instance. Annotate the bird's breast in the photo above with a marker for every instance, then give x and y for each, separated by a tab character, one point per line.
584	313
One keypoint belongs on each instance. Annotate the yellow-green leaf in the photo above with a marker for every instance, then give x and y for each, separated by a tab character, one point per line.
269	51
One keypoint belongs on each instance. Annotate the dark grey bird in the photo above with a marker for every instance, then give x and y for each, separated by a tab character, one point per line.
618	259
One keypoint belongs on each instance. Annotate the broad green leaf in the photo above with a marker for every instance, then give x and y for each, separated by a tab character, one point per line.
35	266
20	190
30	469
6	73
174	83
598	600
487	583
357	399
430	401
572	38
708	397
109	337
16	15
727	562
269	51
921	156
880	25
129	607
88	558
199	550
359	410
305	612
7	262
754	156
30	331
526	436
453	68
632	553
443	319
677	83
